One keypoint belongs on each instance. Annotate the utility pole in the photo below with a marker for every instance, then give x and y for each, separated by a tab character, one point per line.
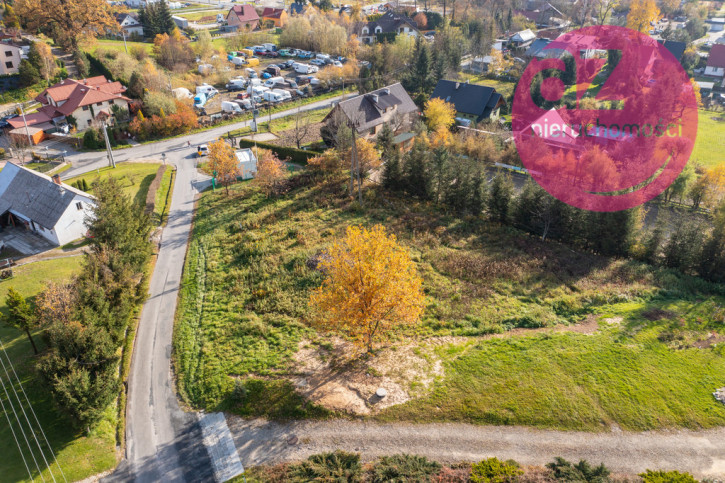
124	40
111	161
27	131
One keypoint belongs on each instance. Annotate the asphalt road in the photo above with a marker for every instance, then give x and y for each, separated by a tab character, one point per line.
164	443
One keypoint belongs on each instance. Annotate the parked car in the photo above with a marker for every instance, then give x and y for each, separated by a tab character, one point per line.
236	85
243	95
304	54
229	106
337	63
287	64
202	150
302	80
317	62
287	52
273	69
251	73
305	68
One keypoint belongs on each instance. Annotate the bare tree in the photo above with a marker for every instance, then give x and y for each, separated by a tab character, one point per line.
302	126
18	145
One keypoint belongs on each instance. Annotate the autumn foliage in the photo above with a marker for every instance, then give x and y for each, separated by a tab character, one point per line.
439	113
270	171
222	163
371	288
180	122
641	13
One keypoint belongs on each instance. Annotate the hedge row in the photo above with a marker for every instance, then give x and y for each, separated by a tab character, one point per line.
299	156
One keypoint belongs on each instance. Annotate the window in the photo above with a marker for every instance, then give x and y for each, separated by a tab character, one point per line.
85	108
89	122
365	31
99	103
8	53
9	65
79	206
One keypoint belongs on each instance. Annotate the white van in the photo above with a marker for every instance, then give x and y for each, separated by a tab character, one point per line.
239	61
273	81
285	95
228	106
323	57
305	68
269	47
206	89
272	96
257	90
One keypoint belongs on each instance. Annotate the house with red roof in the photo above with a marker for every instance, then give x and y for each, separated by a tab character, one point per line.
242	16
87	100
716	61
278	16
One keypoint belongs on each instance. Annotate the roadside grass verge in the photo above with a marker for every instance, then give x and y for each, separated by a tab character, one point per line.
243	312
135	179
117	45
285	123
80	453
163	196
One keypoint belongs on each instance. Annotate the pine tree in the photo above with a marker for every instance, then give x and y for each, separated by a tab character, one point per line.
417	180
392	173
477	200
499	198
439	172
384	141
156	19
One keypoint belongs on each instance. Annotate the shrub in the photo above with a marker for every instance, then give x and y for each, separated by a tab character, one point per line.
180	122
299	156
404	467
564	471
91	139
667	477
493	470
337	466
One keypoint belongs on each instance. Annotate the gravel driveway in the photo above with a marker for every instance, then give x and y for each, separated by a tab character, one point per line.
702	453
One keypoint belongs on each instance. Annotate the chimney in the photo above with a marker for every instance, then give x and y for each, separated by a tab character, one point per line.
375	98
56	179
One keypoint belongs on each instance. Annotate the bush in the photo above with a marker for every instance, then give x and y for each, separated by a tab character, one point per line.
404	467
493	470
294	155
91	139
182	121
583	472
667	477
337	466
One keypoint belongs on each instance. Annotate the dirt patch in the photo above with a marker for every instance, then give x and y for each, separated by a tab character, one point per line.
657	314
339	378
287	138
710	341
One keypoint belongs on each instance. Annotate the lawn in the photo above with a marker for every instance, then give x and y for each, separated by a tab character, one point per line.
284	123
506	88
198	15
80	453
118	45
243	312
710	143
135	179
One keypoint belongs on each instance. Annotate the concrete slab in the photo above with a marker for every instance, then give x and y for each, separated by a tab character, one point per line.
261	137
25	241
220	446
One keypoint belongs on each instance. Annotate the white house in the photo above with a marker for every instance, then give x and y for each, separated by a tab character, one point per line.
10	57
247	164
130	25
33	200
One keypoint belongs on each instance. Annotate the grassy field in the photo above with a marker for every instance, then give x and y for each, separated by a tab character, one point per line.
80	454
118	45
284	123
504	87
135	179
710	144
243	312
198	15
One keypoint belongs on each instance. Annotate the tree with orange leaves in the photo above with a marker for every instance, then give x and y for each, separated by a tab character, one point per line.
67	21
371	288
223	163
270	171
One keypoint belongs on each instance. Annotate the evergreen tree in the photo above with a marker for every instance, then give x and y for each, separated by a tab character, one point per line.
612	233
136	86
20	314
156	19
477	200
419	79
682	249
417	181
499	198
28	74
384	142
392	173
439	173
711	263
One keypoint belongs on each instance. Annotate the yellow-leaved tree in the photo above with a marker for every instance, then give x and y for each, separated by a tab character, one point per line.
641	13
223	163
439	113
371	288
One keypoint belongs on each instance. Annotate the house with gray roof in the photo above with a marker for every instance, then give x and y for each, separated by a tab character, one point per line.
369	112
44	205
389	23
472	101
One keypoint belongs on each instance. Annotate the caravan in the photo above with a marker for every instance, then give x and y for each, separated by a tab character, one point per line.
283	94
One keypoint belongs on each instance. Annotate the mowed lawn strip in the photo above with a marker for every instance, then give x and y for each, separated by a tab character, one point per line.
135	179
244	310
80	454
709	148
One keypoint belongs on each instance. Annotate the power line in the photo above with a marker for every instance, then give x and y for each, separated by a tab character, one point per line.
30	406
17	443
20	424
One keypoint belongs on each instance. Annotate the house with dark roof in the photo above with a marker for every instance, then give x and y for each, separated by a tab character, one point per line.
242	16
87	100
521	39
389	23
716	61
676	48
36	202
472	101
297	8
130	24
277	16
369	112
